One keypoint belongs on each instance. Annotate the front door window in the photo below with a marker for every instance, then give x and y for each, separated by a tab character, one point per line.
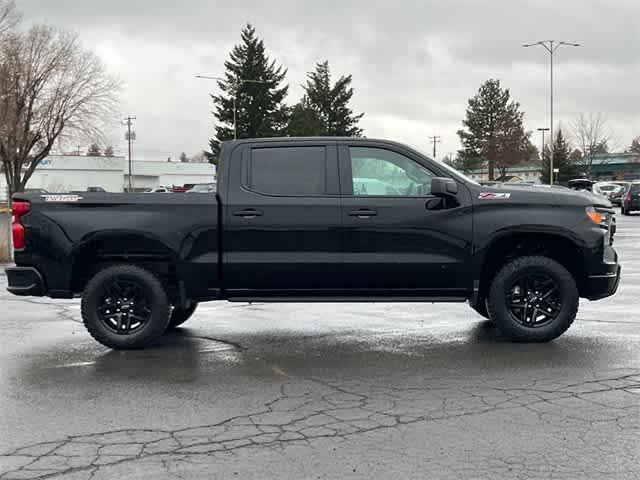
381	172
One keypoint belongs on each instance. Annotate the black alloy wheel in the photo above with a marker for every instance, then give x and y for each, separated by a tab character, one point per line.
534	300
124	308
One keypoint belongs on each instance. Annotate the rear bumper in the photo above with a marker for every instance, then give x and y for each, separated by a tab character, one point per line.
25	281
602	286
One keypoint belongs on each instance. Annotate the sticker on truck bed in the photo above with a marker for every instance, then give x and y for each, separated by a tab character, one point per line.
61	198
493	196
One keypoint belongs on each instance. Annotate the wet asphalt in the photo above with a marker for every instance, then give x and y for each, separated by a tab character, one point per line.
325	391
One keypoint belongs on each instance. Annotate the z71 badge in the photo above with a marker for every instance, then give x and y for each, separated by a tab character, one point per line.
61	198
493	196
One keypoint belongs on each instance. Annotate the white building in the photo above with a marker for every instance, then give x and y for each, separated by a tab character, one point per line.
64	173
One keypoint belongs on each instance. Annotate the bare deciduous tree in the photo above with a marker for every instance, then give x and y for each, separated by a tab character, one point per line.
51	90
8	16
592	136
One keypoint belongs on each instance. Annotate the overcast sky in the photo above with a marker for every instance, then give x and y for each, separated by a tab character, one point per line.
414	63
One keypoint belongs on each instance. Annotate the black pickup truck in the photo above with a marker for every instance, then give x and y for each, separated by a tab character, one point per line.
318	220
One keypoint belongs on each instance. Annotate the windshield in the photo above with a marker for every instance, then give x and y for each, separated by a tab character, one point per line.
452	170
458	173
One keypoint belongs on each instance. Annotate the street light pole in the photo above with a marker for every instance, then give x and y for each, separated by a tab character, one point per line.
239	82
543	129
551	46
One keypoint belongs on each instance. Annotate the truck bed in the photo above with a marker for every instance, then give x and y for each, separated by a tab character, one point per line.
68	234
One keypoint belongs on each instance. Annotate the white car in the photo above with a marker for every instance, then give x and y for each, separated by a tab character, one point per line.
160	189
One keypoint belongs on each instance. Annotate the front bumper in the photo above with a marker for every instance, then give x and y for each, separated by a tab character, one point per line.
25	281
604	285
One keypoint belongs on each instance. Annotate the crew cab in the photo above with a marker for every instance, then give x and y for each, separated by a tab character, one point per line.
317	220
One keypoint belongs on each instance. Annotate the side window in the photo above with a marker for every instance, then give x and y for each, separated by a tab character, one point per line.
299	171
376	171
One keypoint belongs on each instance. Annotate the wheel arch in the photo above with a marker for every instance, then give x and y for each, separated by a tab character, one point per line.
558	245
106	248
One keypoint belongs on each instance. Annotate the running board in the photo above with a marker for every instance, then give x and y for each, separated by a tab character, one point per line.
350	299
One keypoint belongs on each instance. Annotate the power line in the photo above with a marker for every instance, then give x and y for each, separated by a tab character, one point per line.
434	139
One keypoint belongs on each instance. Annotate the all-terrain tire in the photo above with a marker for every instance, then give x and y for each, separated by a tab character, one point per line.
155	301
501	313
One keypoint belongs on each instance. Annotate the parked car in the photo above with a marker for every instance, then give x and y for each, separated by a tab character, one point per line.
184	188
89	190
373	186
287	225
631	199
160	189
617	197
203	188
606	189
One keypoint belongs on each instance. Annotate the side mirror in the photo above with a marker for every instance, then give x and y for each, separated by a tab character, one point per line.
441	186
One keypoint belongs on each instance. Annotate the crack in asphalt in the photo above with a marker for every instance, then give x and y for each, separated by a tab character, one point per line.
309	409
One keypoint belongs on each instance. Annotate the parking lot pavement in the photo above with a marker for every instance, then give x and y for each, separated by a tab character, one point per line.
325	391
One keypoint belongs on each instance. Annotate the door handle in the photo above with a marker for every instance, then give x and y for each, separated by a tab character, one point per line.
363	213
248	213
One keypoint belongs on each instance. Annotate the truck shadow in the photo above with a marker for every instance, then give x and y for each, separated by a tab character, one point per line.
193	355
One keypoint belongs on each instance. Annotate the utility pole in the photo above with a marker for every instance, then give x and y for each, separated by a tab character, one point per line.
434	139
551	46
130	136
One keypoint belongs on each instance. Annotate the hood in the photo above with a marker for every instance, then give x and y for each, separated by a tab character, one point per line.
543	194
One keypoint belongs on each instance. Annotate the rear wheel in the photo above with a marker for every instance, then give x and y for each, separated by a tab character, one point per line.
181	315
125	307
533	299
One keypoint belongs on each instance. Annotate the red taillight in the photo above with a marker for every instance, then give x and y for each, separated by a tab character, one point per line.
628	197
18	209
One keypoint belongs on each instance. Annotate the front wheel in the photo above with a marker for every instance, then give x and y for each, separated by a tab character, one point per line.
533	299
125	307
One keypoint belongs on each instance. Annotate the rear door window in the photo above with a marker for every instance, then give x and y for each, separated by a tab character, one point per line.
288	171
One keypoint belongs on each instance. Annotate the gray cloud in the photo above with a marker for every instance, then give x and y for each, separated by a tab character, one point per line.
414	63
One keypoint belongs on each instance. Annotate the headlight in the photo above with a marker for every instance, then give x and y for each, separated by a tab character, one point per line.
600	216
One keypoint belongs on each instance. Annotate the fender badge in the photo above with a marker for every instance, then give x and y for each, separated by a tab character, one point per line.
493	196
61	198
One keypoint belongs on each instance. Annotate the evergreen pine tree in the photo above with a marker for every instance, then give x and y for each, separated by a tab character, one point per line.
562	160
256	84
494	134
305	121
331	102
